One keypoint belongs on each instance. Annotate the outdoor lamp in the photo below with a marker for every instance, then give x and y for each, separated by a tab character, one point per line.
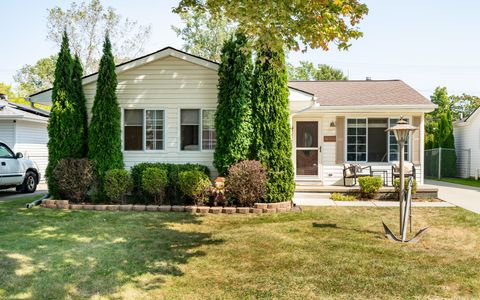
402	130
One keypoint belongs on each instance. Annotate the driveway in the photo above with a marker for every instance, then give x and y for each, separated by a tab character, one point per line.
461	195
11	194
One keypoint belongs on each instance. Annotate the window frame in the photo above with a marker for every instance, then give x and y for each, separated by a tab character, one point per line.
200	137
144	130
389	162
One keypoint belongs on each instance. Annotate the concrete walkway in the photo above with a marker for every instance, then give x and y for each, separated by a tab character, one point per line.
467	197
323	199
11	194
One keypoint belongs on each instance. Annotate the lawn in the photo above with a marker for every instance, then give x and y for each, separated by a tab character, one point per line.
329	252
464	181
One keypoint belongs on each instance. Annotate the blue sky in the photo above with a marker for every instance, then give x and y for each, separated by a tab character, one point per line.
425	43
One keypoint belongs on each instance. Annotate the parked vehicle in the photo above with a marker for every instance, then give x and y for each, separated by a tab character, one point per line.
16	171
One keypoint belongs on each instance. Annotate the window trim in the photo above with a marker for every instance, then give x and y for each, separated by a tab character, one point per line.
200	138
389	162
144	130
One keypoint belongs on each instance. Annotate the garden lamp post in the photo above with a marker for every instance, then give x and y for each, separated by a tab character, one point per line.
402	131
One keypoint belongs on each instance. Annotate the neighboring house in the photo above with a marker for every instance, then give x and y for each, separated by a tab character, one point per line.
467	145
24	129
168	101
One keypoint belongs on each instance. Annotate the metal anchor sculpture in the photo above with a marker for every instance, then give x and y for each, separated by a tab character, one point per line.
406	217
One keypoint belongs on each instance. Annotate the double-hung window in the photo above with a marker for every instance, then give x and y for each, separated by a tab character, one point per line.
357	139
144	129
197	128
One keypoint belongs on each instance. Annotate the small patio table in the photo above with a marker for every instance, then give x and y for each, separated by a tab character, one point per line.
383	174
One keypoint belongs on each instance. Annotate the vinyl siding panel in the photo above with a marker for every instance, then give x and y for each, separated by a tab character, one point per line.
467	138
168	84
7	132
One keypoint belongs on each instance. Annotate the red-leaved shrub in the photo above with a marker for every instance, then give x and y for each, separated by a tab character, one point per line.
246	182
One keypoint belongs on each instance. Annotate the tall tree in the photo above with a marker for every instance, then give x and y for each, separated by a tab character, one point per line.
87	22
37	77
233	117
279	25
62	131
204	34
272	143
463	105
307	71
104	140
78	96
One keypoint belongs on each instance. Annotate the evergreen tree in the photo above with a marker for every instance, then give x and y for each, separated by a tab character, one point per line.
104	141
233	117
60	121
272	143
80	106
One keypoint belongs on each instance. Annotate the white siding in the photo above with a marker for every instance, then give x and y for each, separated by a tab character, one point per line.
170	84
31	140
7	132
468	137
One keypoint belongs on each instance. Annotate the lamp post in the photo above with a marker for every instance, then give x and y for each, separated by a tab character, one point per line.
402	131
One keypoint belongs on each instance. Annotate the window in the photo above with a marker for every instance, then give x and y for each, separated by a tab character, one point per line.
367	140
154	135
394	148
190	126
139	123
357	139
5	152
133	131
209	138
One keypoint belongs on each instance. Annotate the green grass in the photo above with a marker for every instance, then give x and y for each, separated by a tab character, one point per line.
329	252
463	181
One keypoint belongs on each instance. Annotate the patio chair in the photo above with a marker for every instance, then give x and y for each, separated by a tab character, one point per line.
408	169
355	171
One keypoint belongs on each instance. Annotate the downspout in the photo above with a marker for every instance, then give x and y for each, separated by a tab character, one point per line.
313	104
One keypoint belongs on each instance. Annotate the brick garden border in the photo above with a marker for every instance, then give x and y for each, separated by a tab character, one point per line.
258	208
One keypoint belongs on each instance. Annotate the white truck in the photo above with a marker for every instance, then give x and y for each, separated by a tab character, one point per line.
16	171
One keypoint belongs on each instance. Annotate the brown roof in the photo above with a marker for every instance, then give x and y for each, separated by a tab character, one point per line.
361	92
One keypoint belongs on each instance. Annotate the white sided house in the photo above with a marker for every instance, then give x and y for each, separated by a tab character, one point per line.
24	129
168	101
467	145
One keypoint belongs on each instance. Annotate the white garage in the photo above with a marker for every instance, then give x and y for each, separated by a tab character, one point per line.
24	129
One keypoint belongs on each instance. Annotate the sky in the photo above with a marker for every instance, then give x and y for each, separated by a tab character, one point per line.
426	43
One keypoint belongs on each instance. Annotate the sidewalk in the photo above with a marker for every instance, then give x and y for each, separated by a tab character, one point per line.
467	197
323	199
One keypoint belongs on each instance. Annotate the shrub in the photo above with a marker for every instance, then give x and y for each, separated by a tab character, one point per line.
154	182
342	197
173	190
246	182
369	186
118	183
396	184
195	185
74	177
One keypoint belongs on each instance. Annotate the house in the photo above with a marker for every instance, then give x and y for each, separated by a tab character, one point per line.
168	100
24	129
467	145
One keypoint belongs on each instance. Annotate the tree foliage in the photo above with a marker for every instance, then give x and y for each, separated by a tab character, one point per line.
204	34
65	134
104	141
307	71
87	22
10	93
439	123
272	144
37	77
277	25
233	117
79	102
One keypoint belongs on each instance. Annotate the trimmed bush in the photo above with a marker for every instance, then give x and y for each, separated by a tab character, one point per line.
342	197
154	182
173	192
369	186
118	183
74	178
396	184
195	185
246	182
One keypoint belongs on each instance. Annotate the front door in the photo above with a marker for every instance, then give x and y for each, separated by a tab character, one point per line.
307	149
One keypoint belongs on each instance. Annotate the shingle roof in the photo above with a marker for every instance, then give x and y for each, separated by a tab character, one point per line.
12	111
361	92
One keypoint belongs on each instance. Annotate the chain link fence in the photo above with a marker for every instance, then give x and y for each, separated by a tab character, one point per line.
440	162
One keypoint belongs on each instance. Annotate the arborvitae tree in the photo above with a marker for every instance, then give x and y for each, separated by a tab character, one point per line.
60	121
233	117
272	143
104	141
80	105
